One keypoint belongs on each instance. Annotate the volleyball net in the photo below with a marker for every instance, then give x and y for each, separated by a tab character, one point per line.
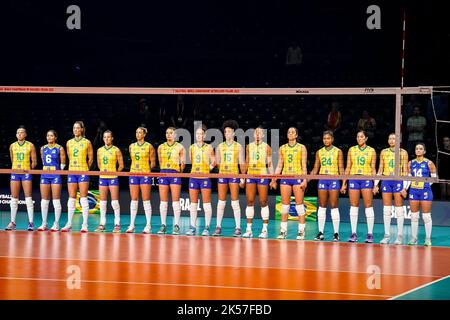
380	111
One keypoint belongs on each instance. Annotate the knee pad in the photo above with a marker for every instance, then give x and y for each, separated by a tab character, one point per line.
29	201
335	214
300	208
250	212
387	211
221	205
370	213
163	205
285	209
414	217
207	207
354	211
115	204
103	205
265	214
175	206
45	203
147	205
57	204
399	212
71	203
193	206
321	212
235	205
84	202
14	202
426	218
134	205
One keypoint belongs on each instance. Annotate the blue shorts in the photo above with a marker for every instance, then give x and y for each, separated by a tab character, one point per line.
421	194
291	182
77	178
260	182
136	180
165	181
197	184
391	186
106	182
360	184
21	177
51	179
228	180
329	185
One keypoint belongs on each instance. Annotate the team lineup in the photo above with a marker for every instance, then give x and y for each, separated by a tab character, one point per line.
231	158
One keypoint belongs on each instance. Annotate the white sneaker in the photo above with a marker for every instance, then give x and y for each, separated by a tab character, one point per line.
147	229
67	228
130	229
263	234
247	234
385	239
55	227
43	227
399	239
301	235
84	228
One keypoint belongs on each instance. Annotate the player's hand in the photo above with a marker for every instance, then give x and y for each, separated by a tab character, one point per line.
343	189
375	190
242	183
403	193
273	184
303	185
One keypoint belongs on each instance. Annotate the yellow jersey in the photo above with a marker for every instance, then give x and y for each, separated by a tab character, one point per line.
108	160
292	158
21	155
140	157
362	160
388	157
170	156
257	158
329	160
77	152
200	158
229	157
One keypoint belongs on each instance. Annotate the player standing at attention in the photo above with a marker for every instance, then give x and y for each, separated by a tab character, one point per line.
361	160
292	161
230	158
54	158
329	161
23	157
142	161
108	157
172	158
391	188
203	160
420	194
78	148
258	161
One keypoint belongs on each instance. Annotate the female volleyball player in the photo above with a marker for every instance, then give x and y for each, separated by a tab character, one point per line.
361	160
203	160
23	157
54	158
109	158
391	188
420	193
292	161
78	148
329	161
172	158
258	161
142	161
230	157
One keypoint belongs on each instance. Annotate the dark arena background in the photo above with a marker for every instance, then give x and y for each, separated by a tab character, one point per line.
316	66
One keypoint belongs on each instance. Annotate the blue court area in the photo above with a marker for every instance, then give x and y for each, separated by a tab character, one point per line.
440	235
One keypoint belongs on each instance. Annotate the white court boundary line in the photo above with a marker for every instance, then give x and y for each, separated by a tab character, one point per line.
198	285
418	288
214	265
